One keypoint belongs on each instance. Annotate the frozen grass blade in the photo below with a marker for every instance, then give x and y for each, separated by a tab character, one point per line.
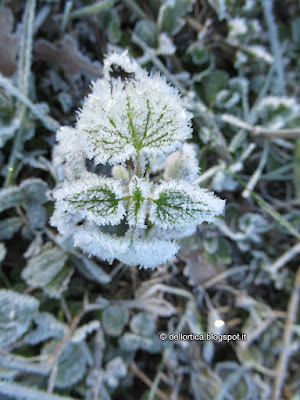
23	83
21	392
49	122
66	16
41	17
257	173
275	44
6	132
136	8
268	208
26	47
23	364
286	351
93	9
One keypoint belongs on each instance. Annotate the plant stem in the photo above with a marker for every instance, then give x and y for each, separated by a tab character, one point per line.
23	82
269	209
156	381
257	130
287	337
257	173
283	259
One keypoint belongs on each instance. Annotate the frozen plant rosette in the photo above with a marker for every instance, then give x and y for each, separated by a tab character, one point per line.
127	119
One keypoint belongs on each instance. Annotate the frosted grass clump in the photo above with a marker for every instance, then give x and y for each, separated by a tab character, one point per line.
130	118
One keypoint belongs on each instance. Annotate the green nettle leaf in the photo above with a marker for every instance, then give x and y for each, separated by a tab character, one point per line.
16	313
95	198
131	116
178	203
139	191
42	269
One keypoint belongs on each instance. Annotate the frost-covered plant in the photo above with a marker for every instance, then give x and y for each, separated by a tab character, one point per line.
129	118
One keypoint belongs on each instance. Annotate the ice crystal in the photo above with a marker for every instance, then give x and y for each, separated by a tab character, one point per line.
129	119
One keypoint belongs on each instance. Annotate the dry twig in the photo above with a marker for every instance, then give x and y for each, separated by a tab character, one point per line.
257	130
160	394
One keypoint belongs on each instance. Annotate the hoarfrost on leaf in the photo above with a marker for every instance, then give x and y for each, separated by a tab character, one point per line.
140	114
277	110
68	150
114	319
130	119
46	327
144	252
42	269
80	334
29	190
143	324
137	210
95	198
114	370
91	270
71	363
132	342
174	233
16	313
100	244
178	203
116	63
149	253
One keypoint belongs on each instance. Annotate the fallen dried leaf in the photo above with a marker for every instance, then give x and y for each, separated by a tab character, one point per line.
67	55
8	43
197	269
